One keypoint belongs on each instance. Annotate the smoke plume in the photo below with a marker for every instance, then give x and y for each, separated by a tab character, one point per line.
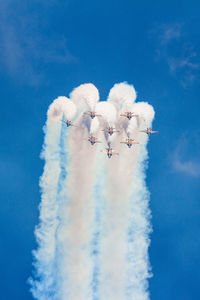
93	235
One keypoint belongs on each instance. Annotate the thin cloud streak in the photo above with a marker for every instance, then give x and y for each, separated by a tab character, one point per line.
169	33
25	47
190	167
173	47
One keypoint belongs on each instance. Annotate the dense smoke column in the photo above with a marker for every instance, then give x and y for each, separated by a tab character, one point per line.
138	233
98	226
46	256
78	211
115	219
62	200
139	213
125	264
45	286
138	220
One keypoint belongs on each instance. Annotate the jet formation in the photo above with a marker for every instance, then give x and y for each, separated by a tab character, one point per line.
111	130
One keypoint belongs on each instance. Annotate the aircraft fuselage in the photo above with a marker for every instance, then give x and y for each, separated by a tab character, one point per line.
110	132
68	123
92	140
109	153
129	145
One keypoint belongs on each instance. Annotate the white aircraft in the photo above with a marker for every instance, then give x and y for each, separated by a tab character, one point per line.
109	152
68	123
93	140
129	115
92	114
129	142
148	131
110	130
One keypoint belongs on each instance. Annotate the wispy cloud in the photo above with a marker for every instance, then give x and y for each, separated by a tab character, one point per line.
185	67
183	159
189	167
177	51
169	33
26	48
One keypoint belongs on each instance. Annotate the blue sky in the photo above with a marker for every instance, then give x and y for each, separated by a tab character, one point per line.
47	49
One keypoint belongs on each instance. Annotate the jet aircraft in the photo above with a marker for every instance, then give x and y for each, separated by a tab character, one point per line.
68	123
93	140
129	142
110	130
92	114
129	115
109	152
148	131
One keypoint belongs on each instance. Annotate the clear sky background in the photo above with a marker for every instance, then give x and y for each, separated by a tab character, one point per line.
49	47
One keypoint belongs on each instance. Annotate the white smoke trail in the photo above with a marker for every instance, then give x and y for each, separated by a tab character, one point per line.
138	234
59	106
113	245
44	287
122	95
139	225
94	126
78	211
98	226
85	96
108	118
121	242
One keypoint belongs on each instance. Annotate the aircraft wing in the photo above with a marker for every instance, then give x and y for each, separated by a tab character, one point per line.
104	151
76	126
115	153
88	113
132	143
69	123
91	113
107	130
126	115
